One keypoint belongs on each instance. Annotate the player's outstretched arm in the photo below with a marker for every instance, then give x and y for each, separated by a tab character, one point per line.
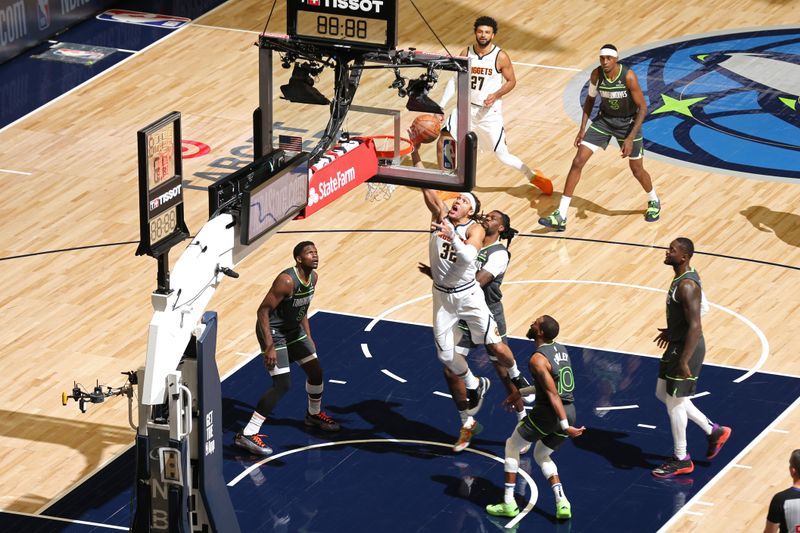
435	205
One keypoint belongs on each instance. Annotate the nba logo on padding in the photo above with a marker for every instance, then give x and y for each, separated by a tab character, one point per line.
313	2
43	13
449	154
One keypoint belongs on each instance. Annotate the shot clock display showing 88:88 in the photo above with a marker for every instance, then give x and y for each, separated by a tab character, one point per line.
361	23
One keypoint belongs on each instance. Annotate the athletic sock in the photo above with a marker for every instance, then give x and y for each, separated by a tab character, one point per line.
508	495
314	405
558	492
470	380
513	372
652	196
254	426
563	206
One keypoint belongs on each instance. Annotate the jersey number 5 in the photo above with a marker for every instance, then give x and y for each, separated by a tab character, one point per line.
447	252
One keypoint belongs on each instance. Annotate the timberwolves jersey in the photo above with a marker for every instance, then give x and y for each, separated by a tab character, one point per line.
560	370
615	99
448	273
293	308
484	78
677	325
492	289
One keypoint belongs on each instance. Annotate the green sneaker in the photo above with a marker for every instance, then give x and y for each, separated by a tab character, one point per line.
555	221
653	211
503	509
563	509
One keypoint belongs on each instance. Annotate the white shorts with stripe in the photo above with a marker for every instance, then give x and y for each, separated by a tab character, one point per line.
487	123
468	305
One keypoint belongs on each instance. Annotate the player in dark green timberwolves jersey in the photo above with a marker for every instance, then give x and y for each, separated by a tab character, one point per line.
680	365
622	111
284	336
549	423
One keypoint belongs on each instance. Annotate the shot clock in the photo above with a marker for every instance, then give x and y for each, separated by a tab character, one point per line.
161	221
368	24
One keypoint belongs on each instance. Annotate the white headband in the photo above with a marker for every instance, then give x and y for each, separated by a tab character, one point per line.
608	52
472	201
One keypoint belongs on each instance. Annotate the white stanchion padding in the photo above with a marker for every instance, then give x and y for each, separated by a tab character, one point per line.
193	281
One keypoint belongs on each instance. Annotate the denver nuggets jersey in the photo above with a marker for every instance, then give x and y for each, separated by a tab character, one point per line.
484	78
293	308
446	270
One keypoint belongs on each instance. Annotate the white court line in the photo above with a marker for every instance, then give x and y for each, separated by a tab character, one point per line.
699	395
528	507
646	426
780	431
616	407
746	467
443	394
15	172
337	381
365	350
226	29
245	354
727	467
393	376
694	513
59	519
762	338
537	65
126	50
707	504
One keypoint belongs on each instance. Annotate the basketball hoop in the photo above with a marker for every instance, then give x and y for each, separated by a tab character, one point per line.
389	151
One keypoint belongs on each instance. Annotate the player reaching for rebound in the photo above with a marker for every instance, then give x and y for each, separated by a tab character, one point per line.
492	262
491	77
455	240
550	422
284	336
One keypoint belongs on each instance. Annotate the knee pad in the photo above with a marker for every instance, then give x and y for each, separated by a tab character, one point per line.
541	454
314	389
514	444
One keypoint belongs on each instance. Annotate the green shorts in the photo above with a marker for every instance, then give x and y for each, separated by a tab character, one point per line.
668	368
543	424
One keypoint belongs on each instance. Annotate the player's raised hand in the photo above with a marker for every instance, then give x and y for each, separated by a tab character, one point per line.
575	432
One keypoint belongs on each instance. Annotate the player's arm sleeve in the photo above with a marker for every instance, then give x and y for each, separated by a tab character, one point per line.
496	264
592	89
449	91
464	251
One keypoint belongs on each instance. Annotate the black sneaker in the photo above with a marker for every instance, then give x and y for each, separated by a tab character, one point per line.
475	396
253	443
521	382
719	436
322	421
674	467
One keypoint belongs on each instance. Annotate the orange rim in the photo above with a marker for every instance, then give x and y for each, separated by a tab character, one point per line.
382	142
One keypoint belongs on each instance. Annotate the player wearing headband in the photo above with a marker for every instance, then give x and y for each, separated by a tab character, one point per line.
455	240
622	111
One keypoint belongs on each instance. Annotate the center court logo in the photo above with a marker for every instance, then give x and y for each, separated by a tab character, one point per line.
726	102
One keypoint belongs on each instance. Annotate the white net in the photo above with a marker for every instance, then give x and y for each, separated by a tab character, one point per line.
379	191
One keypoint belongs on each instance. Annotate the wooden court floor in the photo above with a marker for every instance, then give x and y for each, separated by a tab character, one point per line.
82	313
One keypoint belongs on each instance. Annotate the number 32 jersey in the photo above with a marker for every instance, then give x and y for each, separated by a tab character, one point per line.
446	270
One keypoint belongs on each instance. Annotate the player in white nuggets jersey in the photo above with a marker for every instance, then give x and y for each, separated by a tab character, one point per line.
491	77
454	243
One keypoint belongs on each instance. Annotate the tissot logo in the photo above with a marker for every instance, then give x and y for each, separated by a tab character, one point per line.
722	102
369	6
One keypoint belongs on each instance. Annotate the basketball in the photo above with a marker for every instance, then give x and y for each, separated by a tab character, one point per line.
424	129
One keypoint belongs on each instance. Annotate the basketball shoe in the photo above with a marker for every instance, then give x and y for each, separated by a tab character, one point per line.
653	211
475	396
718	437
322	421
555	221
674	467
503	509
465	436
521	382
539	181
253	443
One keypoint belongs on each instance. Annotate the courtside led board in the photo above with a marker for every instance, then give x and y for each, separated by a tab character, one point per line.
352	23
